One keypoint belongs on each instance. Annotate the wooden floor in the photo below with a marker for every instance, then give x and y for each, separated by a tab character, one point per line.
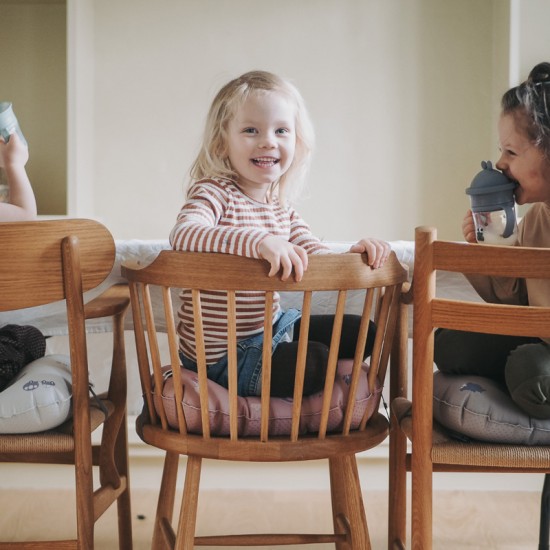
463	520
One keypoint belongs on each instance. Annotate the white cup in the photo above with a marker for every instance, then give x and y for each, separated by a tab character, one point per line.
8	122
496	227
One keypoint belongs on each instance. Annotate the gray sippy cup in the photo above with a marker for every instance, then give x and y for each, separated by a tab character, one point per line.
493	206
8	122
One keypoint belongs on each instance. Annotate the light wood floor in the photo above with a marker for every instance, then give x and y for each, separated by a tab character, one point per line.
463	520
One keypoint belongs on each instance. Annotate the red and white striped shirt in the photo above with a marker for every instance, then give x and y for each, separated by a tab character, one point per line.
219	217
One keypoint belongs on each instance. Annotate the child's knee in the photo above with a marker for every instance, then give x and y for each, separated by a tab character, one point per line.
528	379
284	368
316	367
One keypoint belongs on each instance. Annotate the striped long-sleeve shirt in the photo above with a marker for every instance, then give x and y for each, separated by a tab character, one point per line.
219	217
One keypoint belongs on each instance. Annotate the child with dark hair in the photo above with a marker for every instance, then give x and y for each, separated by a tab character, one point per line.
523	364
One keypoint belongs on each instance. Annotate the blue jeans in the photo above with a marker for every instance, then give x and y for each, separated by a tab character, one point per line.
249	357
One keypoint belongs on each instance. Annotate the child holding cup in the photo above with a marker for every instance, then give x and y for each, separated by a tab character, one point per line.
14	155
523	364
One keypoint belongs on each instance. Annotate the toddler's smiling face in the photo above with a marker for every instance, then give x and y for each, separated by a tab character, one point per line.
261	141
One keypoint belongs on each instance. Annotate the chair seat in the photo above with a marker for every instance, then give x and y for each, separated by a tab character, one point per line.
58	440
278	448
476	455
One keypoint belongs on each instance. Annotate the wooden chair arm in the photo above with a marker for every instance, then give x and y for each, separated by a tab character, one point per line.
114	301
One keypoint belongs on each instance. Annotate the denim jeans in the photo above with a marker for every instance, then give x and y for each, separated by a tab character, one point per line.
249	357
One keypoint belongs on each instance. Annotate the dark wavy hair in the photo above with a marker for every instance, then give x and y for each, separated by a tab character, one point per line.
529	104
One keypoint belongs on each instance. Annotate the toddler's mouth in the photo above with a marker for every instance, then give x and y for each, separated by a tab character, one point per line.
265	162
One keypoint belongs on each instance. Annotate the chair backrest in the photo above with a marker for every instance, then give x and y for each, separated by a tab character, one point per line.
37	255
47	261
431	312
337	273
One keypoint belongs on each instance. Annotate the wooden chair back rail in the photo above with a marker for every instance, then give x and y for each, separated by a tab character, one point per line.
232	355
491	318
183	271
332	363
529	263
174	356
300	366
154	349
136	291
43	256
77	341
395	315
358	359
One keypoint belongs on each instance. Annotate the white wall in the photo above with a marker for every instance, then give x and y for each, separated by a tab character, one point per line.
529	37
33	77
401	94
404	95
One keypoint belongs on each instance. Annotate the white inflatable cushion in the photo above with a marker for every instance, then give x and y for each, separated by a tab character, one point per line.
38	398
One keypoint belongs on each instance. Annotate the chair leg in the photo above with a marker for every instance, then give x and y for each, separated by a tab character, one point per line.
348	510
167	493
544	515
185	539
421	504
397	509
123	502
84	501
397	486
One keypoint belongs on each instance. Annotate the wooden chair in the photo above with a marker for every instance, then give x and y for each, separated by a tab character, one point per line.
45	262
200	271
431	447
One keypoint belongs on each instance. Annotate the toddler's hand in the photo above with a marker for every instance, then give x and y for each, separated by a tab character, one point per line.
282	254
13	153
469	228
377	251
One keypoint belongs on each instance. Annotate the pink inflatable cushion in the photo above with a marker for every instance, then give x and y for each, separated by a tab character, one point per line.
280	408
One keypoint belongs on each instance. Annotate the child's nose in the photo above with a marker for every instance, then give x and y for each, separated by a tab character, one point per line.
268	142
